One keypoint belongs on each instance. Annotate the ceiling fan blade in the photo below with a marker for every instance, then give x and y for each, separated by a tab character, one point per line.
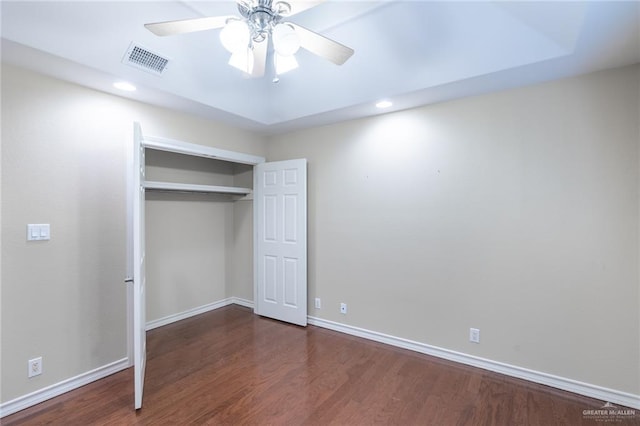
260	58
323	46
298	6
187	25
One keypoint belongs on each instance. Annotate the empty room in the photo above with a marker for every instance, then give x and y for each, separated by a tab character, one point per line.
320	212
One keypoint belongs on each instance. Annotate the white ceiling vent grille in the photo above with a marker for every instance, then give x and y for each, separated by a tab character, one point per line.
144	59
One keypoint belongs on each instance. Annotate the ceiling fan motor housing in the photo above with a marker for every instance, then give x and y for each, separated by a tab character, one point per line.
263	16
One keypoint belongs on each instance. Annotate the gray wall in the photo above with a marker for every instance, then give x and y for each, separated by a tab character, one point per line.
514	212
191	237
63	163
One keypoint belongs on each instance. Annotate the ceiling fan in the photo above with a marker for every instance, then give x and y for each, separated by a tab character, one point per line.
247	37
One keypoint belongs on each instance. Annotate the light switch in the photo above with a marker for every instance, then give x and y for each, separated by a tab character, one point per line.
33	232
44	231
38	231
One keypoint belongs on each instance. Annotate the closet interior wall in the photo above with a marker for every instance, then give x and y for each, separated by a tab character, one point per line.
199	245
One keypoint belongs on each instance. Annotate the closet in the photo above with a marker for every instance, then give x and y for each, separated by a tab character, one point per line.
279	230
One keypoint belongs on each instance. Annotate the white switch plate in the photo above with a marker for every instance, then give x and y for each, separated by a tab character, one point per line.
38	232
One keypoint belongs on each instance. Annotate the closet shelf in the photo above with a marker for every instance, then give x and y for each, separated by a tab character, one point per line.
180	147
188	187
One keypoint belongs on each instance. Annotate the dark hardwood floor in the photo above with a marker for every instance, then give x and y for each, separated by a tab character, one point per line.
232	367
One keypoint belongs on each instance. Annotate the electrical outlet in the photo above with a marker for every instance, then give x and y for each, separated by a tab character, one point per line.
35	367
343	308
474	335
318	303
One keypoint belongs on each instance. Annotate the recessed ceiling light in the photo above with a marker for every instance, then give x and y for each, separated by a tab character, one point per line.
123	85
384	104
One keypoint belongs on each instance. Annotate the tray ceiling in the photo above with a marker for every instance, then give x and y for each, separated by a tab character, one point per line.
411	52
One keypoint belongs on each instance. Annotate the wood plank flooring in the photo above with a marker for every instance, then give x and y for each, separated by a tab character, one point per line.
232	367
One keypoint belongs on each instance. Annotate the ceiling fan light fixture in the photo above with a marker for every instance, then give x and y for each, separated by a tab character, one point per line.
242	60
235	36
286	41
284	64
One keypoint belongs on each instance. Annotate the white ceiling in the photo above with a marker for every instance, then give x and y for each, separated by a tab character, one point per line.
412	52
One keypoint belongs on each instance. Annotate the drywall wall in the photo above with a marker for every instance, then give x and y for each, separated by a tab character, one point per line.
63	162
188	236
240	284
514	212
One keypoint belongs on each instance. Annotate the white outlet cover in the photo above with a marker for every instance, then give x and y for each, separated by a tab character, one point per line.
474	335
35	367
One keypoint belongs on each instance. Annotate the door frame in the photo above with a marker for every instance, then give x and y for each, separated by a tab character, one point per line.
170	145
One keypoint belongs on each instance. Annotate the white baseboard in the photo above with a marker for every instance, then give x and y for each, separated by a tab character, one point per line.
189	313
242	302
593	391
64	386
570	385
198	310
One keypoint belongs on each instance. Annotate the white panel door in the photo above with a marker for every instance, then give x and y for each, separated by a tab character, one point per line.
139	278
280	217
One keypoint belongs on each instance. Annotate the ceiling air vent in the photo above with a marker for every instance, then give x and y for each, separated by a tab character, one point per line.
145	60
